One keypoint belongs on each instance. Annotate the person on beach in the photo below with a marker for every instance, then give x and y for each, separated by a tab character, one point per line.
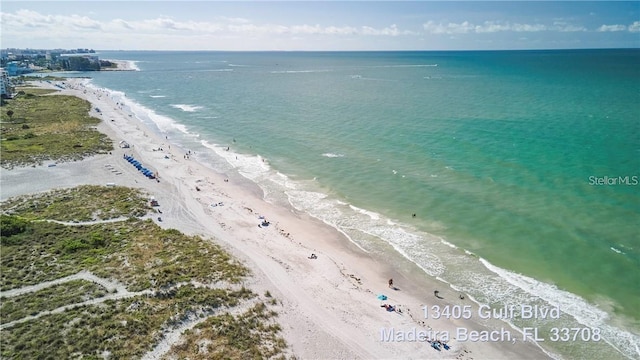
391	283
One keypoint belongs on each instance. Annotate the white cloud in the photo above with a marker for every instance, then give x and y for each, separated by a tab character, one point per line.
306	29
83	22
27	18
387	31
528	27
486	27
221	25
343	30
610	28
496	26
491	26
635	27
122	24
450	28
31	27
564	27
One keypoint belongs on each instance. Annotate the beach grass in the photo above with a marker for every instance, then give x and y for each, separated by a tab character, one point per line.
80	204
124	329
47	299
230	342
44	126
136	252
186	277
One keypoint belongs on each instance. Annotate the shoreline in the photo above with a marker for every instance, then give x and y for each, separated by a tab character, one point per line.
331	305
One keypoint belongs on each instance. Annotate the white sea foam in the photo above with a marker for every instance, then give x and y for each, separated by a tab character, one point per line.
298	71
371	214
332	155
617	250
378	79
448	244
133	65
186	107
147	91
569	303
405	66
408	245
253	167
126	64
163	123
157	96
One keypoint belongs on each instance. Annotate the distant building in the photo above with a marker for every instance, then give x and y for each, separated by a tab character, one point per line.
15	68
80	62
12	68
5	84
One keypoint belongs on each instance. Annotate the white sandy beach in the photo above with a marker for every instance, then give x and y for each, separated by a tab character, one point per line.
330	308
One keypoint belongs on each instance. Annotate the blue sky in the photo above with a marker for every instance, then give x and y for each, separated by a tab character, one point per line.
320	25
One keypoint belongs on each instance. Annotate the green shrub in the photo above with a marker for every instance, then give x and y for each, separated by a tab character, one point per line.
72	245
12	225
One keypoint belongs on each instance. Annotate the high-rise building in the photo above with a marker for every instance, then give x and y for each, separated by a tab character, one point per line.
5	85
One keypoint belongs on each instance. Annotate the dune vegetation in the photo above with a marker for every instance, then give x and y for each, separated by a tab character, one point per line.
161	280
39	125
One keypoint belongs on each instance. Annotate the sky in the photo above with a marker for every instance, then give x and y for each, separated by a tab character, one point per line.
319	25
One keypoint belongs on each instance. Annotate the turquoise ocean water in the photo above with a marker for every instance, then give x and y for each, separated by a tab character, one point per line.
523	168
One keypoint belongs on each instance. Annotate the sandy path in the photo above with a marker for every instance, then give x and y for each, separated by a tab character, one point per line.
172	337
108	284
116	296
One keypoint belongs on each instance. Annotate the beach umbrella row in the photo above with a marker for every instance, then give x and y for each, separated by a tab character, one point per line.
148	173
